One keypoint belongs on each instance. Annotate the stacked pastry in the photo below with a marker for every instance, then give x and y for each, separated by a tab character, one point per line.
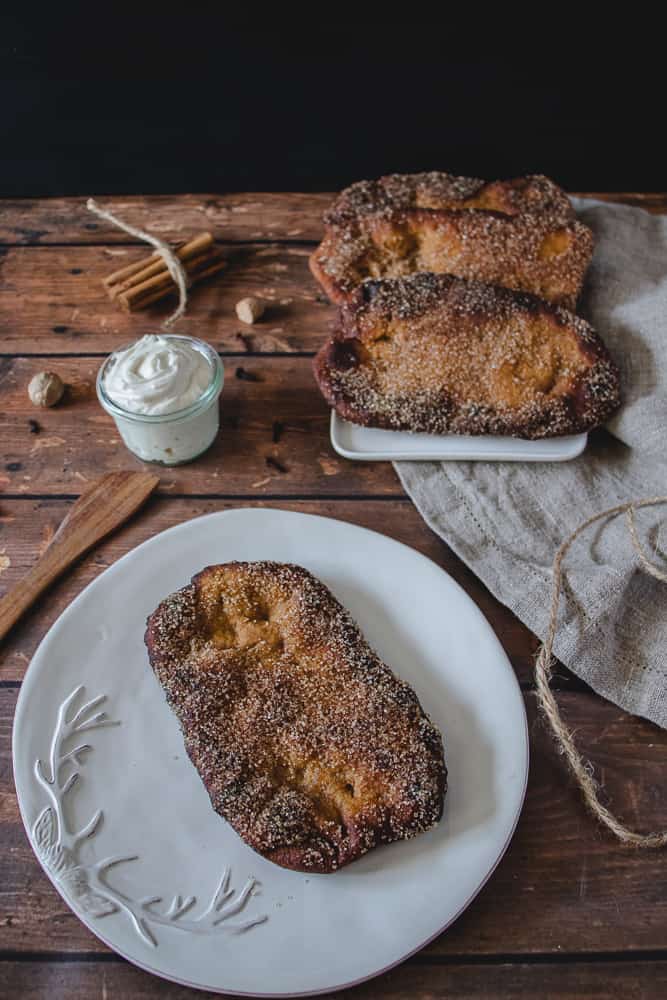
456	309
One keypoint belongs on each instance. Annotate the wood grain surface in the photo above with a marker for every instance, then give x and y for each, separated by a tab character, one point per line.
52	301
289	217
415	979
568	913
79	441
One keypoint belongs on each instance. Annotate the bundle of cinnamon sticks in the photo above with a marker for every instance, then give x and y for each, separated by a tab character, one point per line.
148	280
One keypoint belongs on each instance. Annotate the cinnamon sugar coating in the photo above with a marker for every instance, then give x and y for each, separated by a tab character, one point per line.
533	194
308	744
439	354
520	234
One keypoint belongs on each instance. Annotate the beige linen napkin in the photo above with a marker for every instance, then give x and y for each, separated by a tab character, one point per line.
506	520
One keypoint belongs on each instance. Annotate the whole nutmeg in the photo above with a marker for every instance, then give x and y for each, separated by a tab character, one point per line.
46	389
250	310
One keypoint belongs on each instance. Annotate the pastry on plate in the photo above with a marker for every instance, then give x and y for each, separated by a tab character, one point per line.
520	234
307	743
439	354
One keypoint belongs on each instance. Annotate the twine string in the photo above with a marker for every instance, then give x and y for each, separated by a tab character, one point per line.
581	769
173	264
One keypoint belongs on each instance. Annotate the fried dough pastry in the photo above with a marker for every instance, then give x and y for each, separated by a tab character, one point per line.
443	355
531	195
520	234
307	743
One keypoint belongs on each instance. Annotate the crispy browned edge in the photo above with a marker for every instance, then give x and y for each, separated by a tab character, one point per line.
180	634
584	410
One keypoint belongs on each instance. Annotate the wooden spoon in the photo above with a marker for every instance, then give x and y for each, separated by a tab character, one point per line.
100	509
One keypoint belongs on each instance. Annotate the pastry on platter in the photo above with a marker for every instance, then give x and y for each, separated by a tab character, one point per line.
439	354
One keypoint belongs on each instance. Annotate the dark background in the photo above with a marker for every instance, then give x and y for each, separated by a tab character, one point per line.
105	100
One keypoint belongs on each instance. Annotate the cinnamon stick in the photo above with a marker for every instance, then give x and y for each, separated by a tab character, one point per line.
126	272
146	281
160	285
142	270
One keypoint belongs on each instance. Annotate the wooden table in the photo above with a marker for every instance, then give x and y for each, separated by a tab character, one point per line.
568	912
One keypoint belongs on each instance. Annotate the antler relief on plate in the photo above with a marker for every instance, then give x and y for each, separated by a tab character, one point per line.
58	844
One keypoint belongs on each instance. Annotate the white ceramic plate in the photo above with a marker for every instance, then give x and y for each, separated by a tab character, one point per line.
321	932
370	444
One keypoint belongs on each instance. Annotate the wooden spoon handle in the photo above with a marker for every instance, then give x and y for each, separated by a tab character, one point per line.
21	596
100	509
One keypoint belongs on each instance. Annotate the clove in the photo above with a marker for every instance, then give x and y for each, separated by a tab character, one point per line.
273	463
246	376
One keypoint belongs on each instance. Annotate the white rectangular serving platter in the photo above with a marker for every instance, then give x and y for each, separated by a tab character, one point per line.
369	444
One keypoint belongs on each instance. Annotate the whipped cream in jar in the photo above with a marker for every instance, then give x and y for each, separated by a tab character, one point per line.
163	391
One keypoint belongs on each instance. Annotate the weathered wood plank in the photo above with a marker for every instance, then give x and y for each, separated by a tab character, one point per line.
52	301
552	981
79	441
26	527
563	886
252	216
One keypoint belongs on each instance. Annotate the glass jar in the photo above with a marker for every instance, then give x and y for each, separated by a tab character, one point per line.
168	438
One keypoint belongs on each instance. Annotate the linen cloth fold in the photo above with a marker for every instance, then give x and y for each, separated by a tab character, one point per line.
506	519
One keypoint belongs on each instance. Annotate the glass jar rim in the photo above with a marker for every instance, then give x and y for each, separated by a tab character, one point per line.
211	392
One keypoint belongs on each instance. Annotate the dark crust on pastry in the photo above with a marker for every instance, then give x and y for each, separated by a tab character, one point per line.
307	743
438	354
520	234
533	194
